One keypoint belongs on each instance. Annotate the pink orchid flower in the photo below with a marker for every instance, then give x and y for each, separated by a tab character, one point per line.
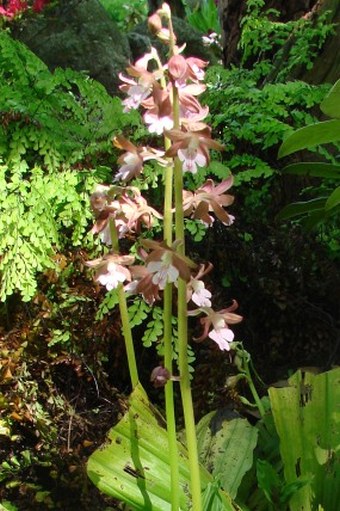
111	270
182	69
209	198
158	115
142	283
132	160
126	207
165	263
220	333
196	290
191	145
138	85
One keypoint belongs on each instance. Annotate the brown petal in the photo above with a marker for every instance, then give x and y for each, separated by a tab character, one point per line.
219	212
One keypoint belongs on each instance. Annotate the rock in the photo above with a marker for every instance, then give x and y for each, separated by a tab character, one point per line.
79	35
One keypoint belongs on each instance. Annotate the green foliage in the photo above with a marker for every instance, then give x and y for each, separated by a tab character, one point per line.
305	415
196	229
51	127
287	460
296	43
251	119
107	304
203	16
321	208
126	14
37	209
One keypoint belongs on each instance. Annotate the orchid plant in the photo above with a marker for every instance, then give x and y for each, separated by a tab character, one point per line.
160	269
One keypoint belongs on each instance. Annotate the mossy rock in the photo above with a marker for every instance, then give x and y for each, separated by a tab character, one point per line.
79	35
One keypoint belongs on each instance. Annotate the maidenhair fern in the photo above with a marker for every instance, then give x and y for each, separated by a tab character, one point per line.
36	212
56	130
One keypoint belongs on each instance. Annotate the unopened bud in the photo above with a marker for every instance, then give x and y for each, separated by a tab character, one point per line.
98	202
155	24
165	11
159	376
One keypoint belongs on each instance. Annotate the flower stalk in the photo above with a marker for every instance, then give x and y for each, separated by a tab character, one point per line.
127	334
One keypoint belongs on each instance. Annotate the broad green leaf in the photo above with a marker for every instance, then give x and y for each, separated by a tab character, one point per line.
333	200
331	104
320	133
133	466
307	419
314	169
301	208
226	446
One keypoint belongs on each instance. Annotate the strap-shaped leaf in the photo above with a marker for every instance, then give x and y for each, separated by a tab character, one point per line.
307	419
320	133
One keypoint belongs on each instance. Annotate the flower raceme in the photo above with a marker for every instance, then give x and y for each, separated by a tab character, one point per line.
155	89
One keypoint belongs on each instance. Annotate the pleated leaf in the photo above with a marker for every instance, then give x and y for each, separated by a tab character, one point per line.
133	466
226	448
307	419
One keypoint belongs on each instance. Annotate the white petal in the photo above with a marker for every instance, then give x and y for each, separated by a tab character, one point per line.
154	266
222	337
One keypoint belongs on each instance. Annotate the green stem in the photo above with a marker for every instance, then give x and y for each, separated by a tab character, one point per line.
185	385
130	350
253	390
169	400
168	348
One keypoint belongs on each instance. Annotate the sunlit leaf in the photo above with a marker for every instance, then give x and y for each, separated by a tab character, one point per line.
226	446
331	104
133	466
320	133
307	419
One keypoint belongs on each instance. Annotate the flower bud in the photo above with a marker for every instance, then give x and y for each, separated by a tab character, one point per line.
159	376
165	11
155	24
177	67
